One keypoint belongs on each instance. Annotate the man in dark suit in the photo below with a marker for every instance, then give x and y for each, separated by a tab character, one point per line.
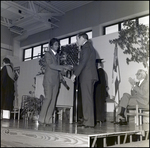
51	81
139	94
86	70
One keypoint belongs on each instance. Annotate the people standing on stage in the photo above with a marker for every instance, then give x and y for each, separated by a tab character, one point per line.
86	70
7	86
139	94
51	81
100	93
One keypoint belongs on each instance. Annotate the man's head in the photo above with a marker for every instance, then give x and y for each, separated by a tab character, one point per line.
141	74
81	38
99	63
54	44
6	61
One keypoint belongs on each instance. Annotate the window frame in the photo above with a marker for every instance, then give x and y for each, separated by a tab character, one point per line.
120	22
42	52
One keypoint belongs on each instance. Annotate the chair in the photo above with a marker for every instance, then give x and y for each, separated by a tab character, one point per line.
138	113
16	110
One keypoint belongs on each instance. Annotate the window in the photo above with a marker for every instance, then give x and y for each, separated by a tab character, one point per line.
73	39
144	20
64	42
89	34
36	52
45	48
111	29
27	54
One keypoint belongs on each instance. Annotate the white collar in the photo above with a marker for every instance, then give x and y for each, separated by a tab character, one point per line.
84	42
54	52
141	82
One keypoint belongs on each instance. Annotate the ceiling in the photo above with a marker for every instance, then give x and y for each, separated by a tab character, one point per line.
25	18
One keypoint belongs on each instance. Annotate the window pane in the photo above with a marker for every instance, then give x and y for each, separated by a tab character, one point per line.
111	29
144	20
73	39
28	53
45	47
89	34
64	42
36	51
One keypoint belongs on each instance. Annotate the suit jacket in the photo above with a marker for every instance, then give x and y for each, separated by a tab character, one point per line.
52	68
142	92
87	67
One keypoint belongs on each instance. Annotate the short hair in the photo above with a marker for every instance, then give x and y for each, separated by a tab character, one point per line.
53	40
6	60
83	34
142	72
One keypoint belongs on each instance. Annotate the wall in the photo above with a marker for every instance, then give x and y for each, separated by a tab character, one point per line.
6	36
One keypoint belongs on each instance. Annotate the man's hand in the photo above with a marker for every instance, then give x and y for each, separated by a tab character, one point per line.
68	67
73	78
132	81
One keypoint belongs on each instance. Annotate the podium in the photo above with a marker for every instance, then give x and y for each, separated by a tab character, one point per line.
65	97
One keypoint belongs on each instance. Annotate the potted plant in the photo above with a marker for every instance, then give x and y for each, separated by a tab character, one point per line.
31	106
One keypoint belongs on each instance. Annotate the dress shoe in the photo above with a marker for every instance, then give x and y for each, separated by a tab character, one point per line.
88	126
85	126
123	123
121	116
48	124
40	123
80	125
80	121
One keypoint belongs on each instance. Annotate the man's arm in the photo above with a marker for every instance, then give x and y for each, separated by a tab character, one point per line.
56	66
85	56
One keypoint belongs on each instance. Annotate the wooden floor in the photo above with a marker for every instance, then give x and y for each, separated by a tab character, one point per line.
61	134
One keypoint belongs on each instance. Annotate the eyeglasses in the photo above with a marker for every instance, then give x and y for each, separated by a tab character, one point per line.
138	74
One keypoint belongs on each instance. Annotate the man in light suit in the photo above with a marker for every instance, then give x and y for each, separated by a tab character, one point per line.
51	81
139	93
86	70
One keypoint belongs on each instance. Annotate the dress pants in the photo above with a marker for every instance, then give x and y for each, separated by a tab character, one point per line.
51	92
87	88
130	100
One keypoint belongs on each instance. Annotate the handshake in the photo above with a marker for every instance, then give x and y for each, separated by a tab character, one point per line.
67	70
66	73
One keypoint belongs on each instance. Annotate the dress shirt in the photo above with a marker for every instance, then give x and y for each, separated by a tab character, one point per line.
54	52
141	82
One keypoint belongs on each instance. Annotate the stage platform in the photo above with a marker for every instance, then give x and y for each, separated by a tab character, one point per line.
27	133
